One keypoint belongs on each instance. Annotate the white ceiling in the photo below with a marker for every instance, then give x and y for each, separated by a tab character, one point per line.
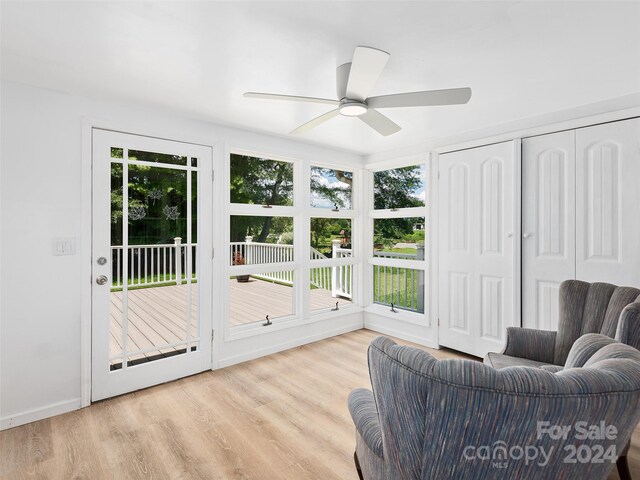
197	58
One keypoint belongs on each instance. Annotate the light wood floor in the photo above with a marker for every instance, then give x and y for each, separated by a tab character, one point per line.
280	417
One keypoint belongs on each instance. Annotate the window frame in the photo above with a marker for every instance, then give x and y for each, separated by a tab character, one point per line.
417	318
301	212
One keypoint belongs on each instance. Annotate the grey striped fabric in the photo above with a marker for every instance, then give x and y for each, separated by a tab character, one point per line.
589	308
584	308
629	325
499	360
363	408
585	347
437	419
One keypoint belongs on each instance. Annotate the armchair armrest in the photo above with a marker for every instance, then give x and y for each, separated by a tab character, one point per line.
538	345
363	410
629	326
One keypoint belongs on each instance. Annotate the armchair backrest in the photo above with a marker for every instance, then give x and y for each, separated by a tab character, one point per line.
440	419
594	308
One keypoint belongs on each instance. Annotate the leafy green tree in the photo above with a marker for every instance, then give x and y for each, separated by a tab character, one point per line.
338	194
396	189
157	202
258	181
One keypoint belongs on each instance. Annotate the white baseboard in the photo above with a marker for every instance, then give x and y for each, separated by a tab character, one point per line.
29	416
401	335
233	360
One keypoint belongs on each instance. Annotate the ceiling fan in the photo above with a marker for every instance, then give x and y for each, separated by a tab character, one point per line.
354	82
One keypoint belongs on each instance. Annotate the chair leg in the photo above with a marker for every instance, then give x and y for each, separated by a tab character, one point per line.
623	468
359	470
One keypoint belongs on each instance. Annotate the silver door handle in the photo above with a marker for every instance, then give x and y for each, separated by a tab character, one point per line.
101	279
527	235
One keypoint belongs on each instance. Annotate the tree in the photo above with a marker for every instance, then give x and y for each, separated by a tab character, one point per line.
396	189
258	181
157	201
338	194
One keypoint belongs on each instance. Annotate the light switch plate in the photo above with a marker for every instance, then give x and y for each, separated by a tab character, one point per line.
64	246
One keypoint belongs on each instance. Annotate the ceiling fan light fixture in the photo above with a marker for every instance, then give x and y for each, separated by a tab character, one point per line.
353	109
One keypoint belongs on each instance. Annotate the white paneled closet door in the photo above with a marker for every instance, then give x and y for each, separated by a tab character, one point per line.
608	203
548	225
476	235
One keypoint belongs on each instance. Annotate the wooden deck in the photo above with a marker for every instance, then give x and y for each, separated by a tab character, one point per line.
158	316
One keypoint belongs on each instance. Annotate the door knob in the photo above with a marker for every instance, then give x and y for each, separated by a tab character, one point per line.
101	279
527	235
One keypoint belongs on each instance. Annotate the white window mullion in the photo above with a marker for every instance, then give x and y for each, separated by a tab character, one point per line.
304	236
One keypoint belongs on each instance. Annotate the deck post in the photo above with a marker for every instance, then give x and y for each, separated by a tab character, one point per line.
421	273
335	270
248	251
178	246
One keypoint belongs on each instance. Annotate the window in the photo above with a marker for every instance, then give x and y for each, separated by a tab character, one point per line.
399	238
257	296
399	188
331	188
261	181
399	288
259	240
329	236
331	231
330	287
267	263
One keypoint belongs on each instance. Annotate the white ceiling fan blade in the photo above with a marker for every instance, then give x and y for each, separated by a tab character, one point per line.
315	122
342	77
290	98
450	96
366	67
381	124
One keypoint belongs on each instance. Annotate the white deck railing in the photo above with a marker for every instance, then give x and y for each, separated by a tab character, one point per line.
167	263
403	256
152	264
343	274
399	287
335	279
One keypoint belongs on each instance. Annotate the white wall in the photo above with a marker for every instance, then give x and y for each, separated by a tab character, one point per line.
41	198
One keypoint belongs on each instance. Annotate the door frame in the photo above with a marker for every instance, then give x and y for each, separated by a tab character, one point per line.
85	241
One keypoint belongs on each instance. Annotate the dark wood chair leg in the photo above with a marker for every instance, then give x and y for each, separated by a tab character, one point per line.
623	468
359	470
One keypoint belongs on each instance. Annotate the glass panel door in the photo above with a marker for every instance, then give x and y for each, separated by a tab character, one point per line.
151	304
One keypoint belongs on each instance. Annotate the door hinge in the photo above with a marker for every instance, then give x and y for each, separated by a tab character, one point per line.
213	252
213	334
438	322
213	175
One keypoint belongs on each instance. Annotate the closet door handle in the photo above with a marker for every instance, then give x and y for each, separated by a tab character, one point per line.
527	235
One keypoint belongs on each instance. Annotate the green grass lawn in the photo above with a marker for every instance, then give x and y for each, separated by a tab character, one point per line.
145	282
396	285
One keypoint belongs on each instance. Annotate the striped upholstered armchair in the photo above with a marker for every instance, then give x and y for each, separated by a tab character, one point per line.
460	419
584	308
